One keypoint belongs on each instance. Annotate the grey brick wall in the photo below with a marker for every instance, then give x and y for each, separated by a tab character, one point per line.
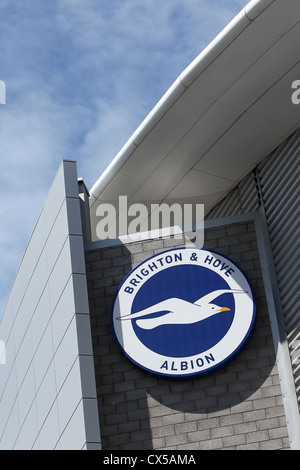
239	407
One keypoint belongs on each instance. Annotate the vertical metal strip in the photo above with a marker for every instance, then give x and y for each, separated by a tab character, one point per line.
273	189
283	362
279	177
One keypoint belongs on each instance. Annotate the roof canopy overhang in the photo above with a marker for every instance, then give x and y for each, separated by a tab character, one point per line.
228	110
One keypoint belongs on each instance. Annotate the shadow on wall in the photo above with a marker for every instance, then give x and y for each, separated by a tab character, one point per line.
140	411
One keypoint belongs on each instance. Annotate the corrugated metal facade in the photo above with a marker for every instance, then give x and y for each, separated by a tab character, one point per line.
242	199
274	185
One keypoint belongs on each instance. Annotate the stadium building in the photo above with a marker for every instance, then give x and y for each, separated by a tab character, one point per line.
74	375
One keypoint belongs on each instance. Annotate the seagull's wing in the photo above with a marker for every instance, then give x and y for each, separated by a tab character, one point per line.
206	299
165	306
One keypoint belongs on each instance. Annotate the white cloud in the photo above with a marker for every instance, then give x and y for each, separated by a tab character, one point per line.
80	77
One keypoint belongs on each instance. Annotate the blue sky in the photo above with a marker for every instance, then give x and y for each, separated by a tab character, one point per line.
80	77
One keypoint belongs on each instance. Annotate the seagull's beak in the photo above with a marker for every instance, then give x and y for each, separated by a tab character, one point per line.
223	309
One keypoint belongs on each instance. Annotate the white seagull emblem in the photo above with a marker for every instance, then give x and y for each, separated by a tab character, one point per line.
180	312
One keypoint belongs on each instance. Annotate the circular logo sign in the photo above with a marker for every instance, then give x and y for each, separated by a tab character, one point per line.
183	313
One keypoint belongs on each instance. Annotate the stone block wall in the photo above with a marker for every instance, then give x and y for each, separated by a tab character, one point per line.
238	407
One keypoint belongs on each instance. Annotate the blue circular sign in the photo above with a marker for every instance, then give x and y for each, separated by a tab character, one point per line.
183	313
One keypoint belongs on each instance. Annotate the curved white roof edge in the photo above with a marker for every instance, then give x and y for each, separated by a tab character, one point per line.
205	58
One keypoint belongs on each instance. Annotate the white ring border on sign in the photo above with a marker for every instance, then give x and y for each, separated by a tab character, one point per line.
224	351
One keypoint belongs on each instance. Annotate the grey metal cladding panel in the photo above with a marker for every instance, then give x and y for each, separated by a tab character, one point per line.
47	323
280	177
